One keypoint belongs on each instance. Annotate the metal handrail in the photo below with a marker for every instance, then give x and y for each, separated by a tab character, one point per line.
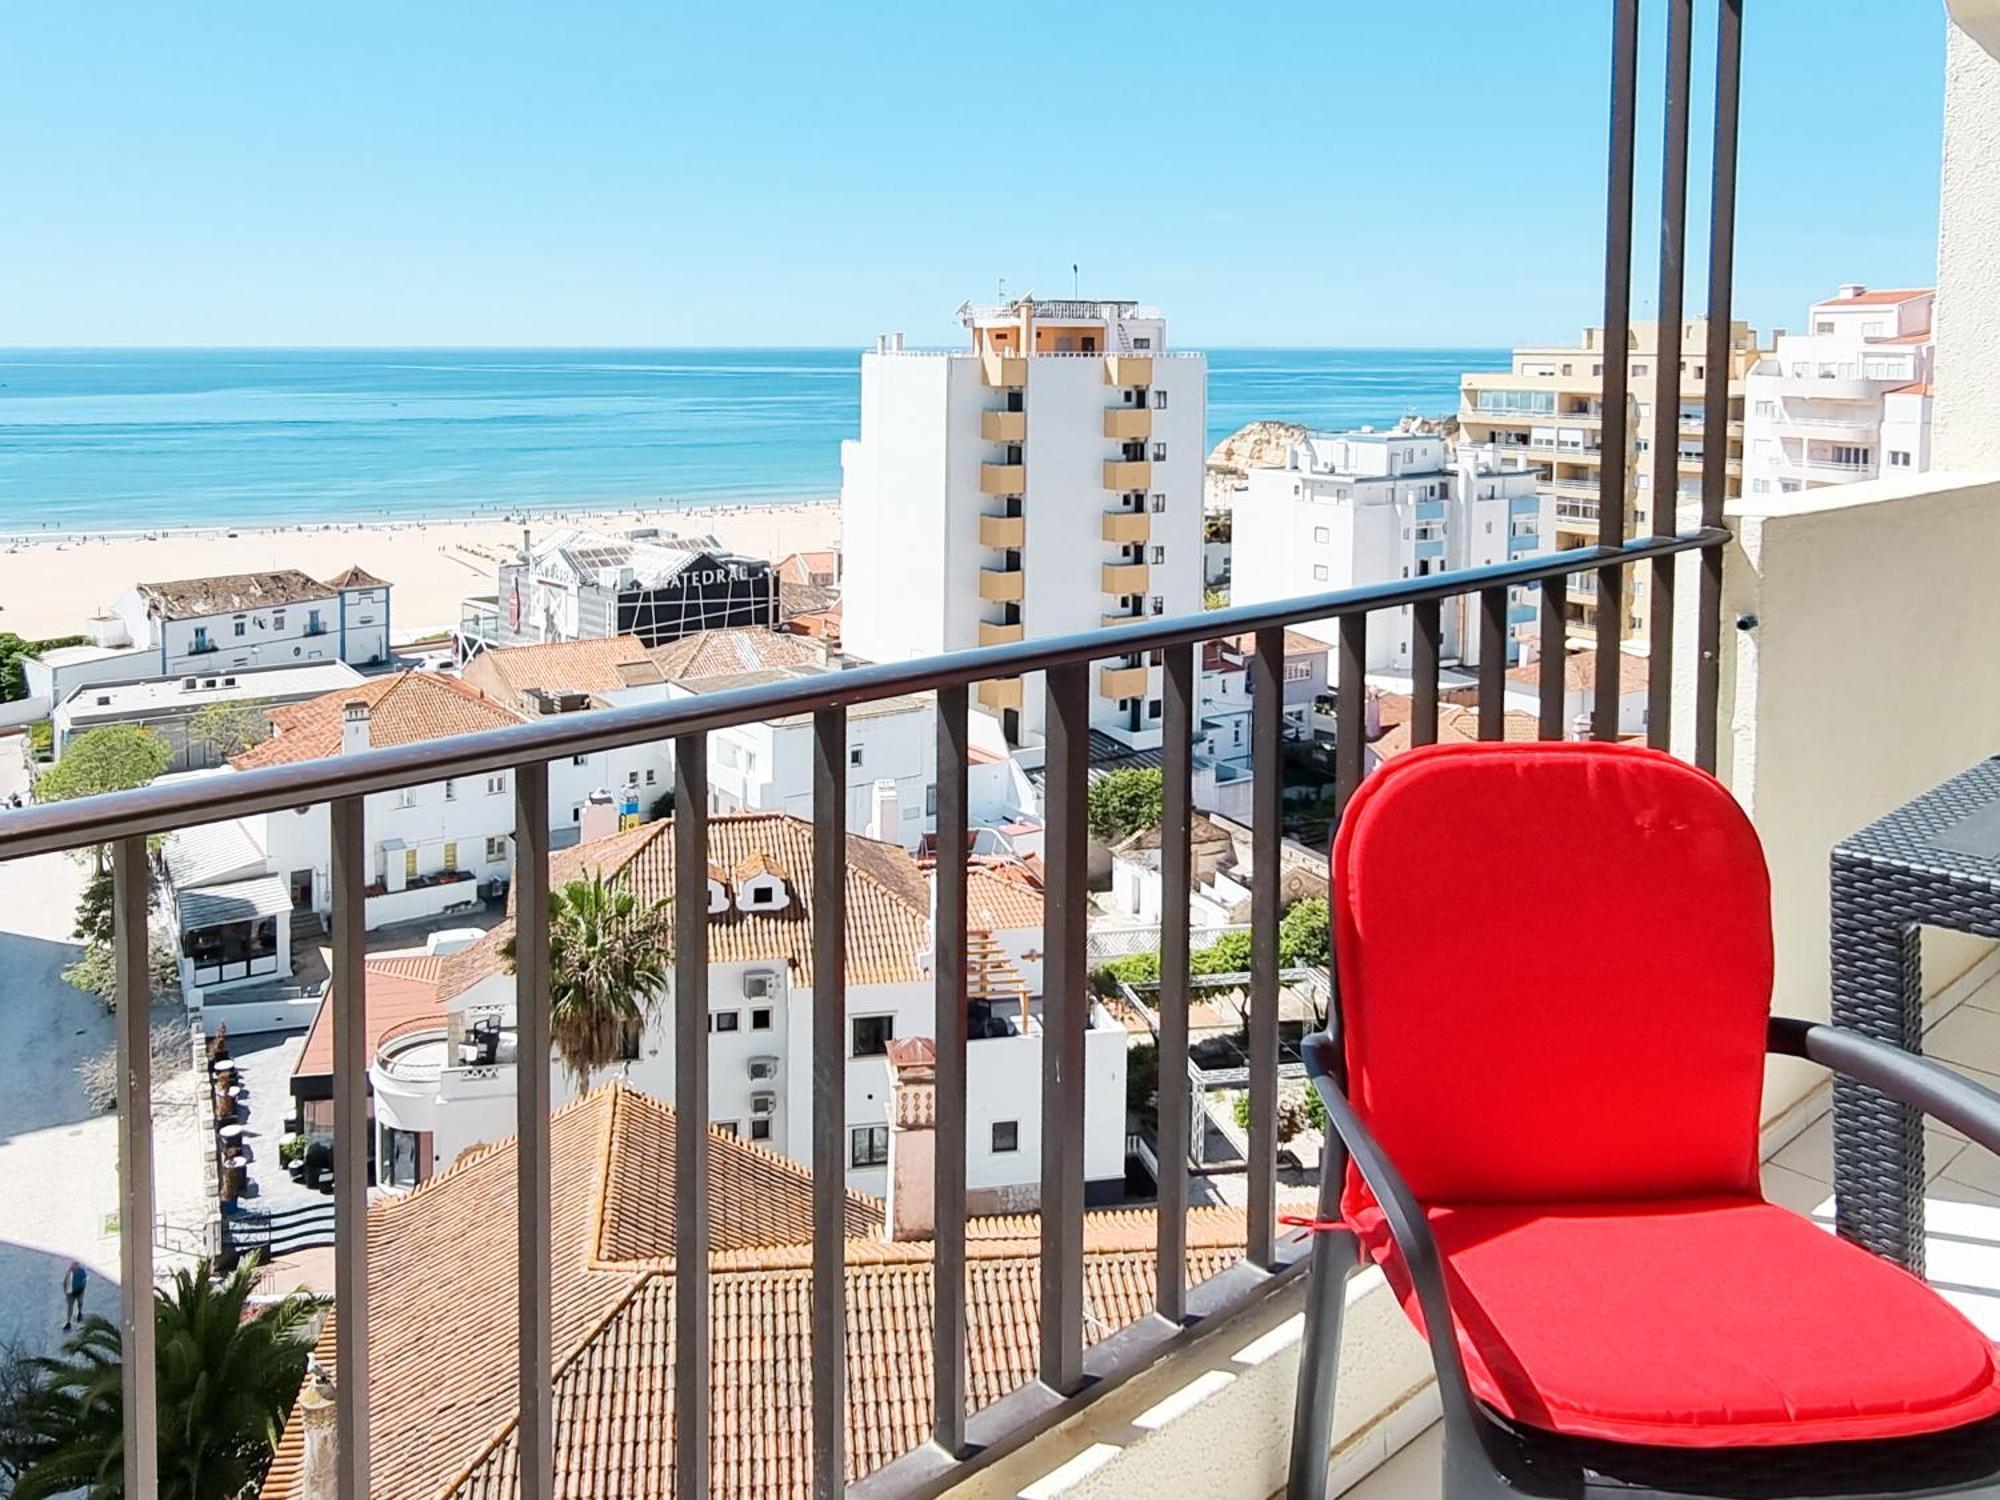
161	809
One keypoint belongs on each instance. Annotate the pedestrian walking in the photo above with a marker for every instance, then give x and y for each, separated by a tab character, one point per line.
74	1281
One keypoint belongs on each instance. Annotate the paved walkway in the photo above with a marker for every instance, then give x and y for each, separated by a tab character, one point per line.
58	1156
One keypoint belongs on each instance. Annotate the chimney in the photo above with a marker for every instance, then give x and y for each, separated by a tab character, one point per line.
600	816
912	1204
353	726
316	1421
1851	289
1579	728
885	815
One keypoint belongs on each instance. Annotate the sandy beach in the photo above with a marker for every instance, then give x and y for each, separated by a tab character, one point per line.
51	583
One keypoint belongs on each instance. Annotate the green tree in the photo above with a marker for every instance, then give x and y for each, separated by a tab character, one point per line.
13	680
228	1373
1123	802
94	922
96	968
227	728
111	759
1303	935
609	958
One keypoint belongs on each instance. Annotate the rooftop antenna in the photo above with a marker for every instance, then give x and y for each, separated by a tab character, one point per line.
1075	282
1001	291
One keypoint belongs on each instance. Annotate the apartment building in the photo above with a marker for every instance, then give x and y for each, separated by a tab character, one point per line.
1043	480
1548	409
1849	399
1364	507
450	1085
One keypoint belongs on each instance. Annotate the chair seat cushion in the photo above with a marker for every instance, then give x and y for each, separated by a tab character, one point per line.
1715	1322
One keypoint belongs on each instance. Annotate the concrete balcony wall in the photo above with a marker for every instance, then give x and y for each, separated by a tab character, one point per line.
1003	426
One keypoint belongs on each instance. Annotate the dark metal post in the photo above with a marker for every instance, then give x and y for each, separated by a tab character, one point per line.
829	1104
1715	396
1175	1098
1492	663
1667	379
1426	644
351	1132
533	1278
691	1323
1617	362
1064	1004
131	900
1350	709
1267	790
1552	682
948	1378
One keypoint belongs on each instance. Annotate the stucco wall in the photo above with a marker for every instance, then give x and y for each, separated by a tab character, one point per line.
1966	418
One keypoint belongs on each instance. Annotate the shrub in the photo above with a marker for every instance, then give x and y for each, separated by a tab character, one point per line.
96	972
99	1074
1123	802
1303	932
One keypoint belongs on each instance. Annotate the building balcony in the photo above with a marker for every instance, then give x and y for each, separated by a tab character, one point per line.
1003	371
999	693
1003	426
1128	423
1126	617
1126	578
1126	474
1430	510
1003	479
1122	682
1127	526
1128	369
1002	531
991	634
1002	585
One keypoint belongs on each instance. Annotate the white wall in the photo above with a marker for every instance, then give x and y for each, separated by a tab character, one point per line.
893	509
1965	434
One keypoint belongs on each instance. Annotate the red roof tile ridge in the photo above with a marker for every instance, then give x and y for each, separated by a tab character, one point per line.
477	1155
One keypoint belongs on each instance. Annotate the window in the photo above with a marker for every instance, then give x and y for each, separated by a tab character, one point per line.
651	774
278	620
239	627
1159	400
1641	369
451	854
1159	453
872	1035
725	1020
579	760
1153	709
409	864
1159	605
930	800
1760	486
1321	534
760	1018
1159	503
201	638
496	784
760	1130
406	796
1319	572
496	849
1006	1136
450	791
1767	408
1898	459
398	1167
727	1127
1823	327
854	755
631	778
1852	458
1159	555
868	1146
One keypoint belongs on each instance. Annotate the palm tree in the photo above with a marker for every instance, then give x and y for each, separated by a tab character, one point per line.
609	958
226	1381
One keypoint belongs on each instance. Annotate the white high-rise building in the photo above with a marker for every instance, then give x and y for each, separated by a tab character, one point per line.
1045	480
1848	399
1355	508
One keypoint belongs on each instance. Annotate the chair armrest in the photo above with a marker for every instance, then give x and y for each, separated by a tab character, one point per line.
1903	1076
1408	1225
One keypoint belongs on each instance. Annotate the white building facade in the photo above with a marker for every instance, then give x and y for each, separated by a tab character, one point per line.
1046	480
1847	400
1356	508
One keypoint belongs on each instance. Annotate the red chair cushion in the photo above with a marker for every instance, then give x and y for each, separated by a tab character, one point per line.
1555	971
1711	1323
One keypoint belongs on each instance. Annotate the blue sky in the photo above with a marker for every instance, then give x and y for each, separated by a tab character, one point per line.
627	172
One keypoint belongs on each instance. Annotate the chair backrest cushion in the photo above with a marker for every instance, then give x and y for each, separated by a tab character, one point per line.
1554	973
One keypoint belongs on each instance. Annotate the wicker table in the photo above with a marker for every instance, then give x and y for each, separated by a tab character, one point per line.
1934	862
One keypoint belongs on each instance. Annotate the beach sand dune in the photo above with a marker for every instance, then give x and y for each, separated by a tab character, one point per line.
51	584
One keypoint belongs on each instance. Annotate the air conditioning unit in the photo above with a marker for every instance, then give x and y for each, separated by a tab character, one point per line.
759	984
763	1105
763	1067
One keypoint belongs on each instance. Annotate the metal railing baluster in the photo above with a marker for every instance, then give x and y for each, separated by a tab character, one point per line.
1552	681
1350	705
531	1124
1174	1096
1492	664
829	1104
691	1208
1667	378
1064	1006
1267	789
1426	645
349	986
131	900
948	1377
1611	469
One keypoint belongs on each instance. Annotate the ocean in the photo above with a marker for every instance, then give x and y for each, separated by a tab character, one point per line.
118	440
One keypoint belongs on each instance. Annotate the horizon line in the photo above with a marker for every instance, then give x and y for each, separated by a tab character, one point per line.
642	348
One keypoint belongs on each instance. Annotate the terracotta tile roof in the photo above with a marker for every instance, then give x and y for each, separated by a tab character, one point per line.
719	653
397	997
231	593
443	1258
603	665
1002	894
356	577
805	567
1458	724
403	708
888	899
1297	643
1917	388
1580	673
1885	298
